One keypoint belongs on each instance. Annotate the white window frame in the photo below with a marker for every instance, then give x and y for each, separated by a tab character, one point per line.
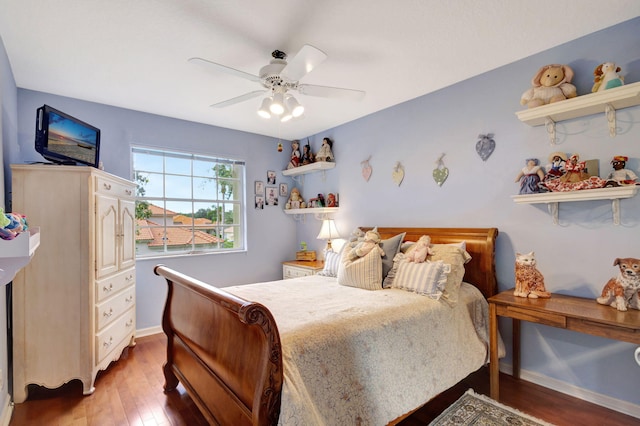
159	236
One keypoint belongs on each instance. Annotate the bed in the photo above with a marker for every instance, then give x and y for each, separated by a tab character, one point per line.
263	354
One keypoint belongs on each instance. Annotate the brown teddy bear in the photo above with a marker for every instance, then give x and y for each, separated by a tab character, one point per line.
552	83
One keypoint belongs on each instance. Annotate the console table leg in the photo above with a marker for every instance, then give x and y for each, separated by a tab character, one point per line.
494	366
516	348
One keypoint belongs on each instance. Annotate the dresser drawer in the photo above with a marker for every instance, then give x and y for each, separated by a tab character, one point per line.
109	286
110	309
108	339
116	189
293	272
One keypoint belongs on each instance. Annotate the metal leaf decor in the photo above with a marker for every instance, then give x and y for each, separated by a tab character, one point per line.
485	146
441	172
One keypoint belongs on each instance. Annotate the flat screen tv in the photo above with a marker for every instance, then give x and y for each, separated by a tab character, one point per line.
63	139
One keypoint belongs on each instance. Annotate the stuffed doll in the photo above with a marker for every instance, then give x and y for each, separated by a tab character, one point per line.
371	242
621	291
620	175
295	155
606	77
552	83
418	252
325	153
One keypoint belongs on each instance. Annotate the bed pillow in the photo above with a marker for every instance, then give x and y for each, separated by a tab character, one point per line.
408	244
456	257
427	278
391	247
364	272
387	282
331	262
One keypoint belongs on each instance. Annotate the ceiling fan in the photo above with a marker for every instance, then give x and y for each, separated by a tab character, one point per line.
278	78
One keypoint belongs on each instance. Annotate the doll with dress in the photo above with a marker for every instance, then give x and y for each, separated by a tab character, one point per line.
295	155
575	177
530	176
620	175
325	153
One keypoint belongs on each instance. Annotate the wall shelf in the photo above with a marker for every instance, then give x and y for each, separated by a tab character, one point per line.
553	198
606	102
319	212
15	254
309	168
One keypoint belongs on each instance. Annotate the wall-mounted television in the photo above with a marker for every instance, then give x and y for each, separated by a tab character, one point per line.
63	139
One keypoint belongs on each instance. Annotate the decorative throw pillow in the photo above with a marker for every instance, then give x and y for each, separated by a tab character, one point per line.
427	278
388	280
364	272
331	262
456	257
391	247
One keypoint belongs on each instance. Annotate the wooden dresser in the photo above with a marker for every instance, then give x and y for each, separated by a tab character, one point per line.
74	303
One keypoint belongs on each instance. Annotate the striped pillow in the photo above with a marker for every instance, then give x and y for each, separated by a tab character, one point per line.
331	262
365	272
428	278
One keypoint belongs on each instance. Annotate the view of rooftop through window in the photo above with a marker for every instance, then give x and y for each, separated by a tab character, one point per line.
187	203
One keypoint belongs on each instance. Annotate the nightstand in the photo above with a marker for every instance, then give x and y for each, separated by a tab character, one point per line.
301	268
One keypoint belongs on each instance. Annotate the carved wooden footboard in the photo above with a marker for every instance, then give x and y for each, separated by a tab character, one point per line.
224	350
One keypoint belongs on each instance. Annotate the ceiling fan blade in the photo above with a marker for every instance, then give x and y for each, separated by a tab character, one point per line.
213	66
305	60
331	92
239	99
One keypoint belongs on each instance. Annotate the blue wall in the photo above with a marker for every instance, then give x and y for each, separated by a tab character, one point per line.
575	256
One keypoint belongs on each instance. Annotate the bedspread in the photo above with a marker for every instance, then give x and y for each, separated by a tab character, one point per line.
358	357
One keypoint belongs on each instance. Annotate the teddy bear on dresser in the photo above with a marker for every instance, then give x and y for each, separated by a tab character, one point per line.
370	242
552	83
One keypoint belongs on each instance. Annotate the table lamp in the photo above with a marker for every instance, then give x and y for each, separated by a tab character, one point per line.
327	232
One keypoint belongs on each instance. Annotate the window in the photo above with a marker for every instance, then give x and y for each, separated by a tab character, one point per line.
187	203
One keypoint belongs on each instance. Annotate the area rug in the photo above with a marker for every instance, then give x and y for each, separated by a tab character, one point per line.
473	409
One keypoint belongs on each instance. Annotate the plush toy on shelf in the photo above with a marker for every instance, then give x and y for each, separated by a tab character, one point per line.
606	76
371	242
552	83
620	175
11	224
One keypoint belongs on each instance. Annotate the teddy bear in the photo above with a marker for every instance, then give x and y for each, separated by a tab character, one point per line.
370	242
419	251
605	76
552	83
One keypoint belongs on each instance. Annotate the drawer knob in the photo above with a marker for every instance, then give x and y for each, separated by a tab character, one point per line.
107	289
107	186
129	299
108	314
107	344
129	323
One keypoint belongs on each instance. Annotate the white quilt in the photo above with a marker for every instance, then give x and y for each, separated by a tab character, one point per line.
359	357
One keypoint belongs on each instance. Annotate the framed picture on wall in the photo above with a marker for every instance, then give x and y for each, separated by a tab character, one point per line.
259	187
284	189
259	202
271	177
272	196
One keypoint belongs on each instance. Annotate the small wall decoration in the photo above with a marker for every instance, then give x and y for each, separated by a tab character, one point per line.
272	196
398	173
271	177
279	146
366	169
440	173
284	190
259	187
485	146
259	202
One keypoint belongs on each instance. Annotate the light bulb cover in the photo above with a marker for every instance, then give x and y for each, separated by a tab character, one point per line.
264	108
277	105
294	106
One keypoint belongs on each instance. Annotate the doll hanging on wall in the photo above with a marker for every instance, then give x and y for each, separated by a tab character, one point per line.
530	176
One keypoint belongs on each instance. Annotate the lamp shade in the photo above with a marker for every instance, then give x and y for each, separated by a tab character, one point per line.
264	108
328	230
294	106
277	105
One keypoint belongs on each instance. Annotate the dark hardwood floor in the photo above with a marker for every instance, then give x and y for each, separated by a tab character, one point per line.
130	393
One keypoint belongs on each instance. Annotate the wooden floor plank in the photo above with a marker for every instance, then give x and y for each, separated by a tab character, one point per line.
130	392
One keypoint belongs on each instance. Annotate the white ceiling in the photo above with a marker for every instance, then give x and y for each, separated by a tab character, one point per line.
133	53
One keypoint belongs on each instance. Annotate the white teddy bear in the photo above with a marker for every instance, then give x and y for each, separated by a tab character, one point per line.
371	242
419	251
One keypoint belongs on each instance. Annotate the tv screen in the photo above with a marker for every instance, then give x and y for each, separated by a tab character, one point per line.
63	139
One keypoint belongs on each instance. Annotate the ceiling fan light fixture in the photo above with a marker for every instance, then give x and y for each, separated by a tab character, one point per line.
286	116
264	108
294	106
277	105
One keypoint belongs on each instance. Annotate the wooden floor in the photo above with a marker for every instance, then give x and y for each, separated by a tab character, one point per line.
130	393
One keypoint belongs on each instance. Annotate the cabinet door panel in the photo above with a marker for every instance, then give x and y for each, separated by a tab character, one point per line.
128	226
106	235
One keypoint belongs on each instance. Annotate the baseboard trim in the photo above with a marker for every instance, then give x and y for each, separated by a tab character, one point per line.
148	331
619	405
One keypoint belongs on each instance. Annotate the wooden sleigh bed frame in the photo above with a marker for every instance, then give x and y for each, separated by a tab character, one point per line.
226	350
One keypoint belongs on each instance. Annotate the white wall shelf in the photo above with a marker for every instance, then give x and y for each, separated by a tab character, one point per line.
606	102
319	212
553	198
15	254
309	168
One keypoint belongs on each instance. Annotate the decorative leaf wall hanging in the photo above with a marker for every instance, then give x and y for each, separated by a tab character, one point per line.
398	173
366	169
440	173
